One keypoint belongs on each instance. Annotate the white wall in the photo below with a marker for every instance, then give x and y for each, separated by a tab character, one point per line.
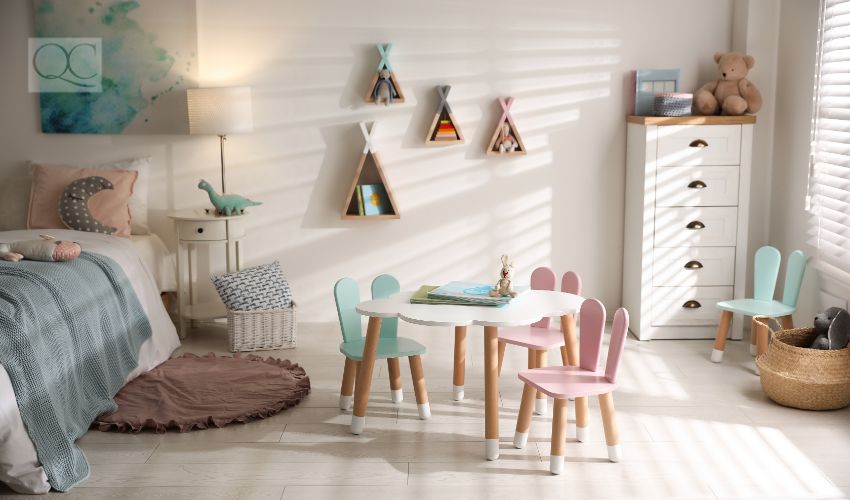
309	65
795	81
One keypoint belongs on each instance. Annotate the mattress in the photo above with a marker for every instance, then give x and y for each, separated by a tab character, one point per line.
139	259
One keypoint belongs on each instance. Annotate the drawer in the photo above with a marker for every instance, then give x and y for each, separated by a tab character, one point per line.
693	266
696	226
688	306
698	186
699	145
189	230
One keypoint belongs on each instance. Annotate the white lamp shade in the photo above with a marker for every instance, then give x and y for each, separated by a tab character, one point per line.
220	110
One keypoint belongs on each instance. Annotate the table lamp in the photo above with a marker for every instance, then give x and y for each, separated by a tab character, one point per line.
220	111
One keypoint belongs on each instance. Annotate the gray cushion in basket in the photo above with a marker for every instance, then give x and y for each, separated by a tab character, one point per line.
257	288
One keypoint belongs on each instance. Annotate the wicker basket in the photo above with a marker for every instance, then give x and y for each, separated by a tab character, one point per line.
261	330
799	377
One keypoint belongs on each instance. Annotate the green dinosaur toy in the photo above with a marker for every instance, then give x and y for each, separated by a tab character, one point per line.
227	204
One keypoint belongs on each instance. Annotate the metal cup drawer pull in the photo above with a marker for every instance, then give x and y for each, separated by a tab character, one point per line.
692	304
694	264
695	225
698	143
697	185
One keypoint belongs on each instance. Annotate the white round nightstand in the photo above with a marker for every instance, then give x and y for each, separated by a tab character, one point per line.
196	227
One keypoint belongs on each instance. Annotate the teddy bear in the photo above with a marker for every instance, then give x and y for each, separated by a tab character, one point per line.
732	94
384	89
832	329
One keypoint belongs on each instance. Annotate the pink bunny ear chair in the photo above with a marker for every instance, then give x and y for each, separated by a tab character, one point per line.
584	380
541	337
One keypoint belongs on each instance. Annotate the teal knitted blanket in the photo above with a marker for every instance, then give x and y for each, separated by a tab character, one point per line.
70	333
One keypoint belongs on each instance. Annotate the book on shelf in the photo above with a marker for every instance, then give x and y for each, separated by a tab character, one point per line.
372	199
473	293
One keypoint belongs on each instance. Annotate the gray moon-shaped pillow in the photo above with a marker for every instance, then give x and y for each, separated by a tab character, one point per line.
74	207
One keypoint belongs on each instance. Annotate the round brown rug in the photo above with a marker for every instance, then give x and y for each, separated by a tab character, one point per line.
197	392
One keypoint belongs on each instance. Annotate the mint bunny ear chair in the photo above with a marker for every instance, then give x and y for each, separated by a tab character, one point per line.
766	270
390	346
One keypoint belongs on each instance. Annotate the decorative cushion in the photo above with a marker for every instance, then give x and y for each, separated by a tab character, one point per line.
110	206
74	205
257	288
139	199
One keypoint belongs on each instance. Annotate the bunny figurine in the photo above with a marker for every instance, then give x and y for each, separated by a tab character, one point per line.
504	287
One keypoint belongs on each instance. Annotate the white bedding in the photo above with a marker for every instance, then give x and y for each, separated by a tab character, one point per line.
19	466
159	261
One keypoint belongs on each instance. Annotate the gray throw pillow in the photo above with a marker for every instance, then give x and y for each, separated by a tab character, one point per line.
257	288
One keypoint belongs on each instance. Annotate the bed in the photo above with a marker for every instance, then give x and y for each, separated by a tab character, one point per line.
149	269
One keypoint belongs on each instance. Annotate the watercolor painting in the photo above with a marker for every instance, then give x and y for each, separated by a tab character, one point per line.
149	58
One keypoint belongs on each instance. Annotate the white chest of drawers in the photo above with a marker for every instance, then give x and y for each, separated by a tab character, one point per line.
685	241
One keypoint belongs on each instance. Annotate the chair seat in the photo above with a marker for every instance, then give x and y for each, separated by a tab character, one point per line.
538	339
398	347
752	307
562	382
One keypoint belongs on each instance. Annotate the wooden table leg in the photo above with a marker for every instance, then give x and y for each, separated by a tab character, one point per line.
459	376
364	375
568	327
491	392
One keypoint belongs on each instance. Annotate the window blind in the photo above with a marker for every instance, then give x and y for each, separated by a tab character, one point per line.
829	174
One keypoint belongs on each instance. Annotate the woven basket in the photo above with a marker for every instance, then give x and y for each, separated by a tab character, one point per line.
261	330
799	377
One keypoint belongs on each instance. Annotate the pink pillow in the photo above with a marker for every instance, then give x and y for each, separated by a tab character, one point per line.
110	207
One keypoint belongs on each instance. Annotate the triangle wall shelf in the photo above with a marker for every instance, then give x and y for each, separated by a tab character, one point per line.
444	130
506	140
370	196
379	84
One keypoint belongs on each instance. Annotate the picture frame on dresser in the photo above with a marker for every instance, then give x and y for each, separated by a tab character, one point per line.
686	222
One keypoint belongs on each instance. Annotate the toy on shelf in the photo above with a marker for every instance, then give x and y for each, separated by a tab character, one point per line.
732	94
227	204
369	196
384	88
444	128
504	287
832	329
506	140
46	249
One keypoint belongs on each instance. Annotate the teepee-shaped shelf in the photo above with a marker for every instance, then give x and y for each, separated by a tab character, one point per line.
506	140
369	197
391	83
444	129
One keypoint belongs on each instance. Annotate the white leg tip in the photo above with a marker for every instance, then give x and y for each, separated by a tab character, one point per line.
716	356
397	395
752	350
357	424
491	448
424	411
520	440
540	406
614	453
345	402
581	434
457	392
556	464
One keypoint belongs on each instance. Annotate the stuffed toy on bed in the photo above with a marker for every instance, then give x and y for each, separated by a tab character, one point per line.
47	249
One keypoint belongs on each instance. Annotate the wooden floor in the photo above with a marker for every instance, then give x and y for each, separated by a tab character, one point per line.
690	429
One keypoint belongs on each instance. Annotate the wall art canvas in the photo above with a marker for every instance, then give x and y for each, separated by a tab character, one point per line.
148	59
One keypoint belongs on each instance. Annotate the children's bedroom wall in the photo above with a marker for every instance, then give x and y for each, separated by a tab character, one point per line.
309	65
